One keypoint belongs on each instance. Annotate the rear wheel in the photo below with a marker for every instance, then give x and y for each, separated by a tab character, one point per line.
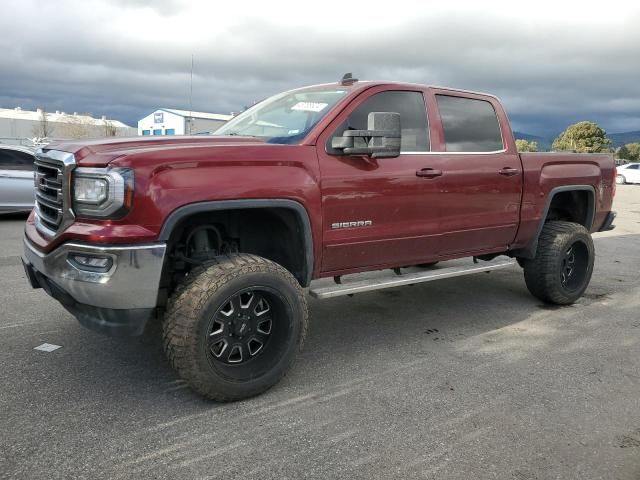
233	328
562	267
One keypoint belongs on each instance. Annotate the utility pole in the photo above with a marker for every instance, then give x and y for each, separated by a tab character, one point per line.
191	97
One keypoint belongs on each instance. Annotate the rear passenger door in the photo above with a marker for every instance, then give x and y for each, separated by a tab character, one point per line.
482	175
16	180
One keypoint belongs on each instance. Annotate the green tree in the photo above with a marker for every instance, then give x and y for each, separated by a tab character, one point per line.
583	137
634	152
623	153
526	146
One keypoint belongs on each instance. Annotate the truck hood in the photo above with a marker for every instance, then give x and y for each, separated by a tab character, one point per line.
100	152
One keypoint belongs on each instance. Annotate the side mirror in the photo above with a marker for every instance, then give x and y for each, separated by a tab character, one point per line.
380	140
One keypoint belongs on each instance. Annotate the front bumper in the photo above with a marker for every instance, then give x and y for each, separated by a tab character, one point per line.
117	302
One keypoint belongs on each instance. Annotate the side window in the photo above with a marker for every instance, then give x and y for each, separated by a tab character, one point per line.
15	160
413	118
469	125
633	167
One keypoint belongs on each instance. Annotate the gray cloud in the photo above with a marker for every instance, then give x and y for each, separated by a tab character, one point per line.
124	58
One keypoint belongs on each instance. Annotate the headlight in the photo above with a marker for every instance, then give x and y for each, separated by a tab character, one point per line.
102	192
91	190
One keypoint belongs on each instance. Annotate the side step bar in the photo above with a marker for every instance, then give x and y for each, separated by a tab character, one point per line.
388	281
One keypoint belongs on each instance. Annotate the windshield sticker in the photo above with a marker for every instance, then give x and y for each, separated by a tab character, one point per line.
309	106
293	132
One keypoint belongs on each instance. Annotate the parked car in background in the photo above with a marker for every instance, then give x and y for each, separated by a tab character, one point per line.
17	193
628	173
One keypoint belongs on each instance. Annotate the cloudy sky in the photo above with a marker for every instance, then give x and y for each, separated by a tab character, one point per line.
552	63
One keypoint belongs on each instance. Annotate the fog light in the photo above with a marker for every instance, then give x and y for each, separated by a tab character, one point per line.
91	263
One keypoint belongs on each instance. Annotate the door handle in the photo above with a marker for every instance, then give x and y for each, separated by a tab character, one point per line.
428	173
509	172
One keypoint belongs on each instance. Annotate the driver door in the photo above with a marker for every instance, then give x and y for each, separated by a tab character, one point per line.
380	212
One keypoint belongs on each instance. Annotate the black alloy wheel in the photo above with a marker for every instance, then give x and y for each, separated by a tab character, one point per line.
241	329
574	266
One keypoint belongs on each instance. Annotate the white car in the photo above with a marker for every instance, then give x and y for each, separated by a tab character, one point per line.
628	173
17	193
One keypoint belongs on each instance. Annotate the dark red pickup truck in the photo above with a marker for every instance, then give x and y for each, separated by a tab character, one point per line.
218	236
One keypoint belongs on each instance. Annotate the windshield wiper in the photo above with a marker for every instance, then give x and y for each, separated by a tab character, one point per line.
237	134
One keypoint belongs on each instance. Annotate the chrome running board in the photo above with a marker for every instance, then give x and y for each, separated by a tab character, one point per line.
394	280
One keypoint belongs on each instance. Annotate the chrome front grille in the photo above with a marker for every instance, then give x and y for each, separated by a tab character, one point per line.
52	179
49	180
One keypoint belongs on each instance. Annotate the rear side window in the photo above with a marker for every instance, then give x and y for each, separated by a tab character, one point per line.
15	160
469	125
413	118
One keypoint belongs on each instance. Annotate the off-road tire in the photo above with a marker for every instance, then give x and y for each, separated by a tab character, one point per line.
200	297
544	273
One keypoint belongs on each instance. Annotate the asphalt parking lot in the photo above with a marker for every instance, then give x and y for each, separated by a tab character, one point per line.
466	378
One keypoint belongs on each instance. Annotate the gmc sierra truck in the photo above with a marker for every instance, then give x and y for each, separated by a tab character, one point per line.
219	237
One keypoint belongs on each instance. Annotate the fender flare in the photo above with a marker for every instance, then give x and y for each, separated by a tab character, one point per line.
529	251
201	207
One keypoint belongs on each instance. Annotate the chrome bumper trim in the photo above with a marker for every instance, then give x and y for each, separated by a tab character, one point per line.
132	282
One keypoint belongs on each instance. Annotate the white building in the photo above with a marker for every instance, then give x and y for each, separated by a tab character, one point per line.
17	126
169	121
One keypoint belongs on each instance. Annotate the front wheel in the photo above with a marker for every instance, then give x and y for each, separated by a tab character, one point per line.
620	180
234	326
562	267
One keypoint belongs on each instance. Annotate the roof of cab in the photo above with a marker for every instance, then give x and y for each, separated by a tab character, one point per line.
362	84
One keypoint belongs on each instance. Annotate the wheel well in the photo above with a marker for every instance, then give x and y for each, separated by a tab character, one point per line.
573	206
275	233
571	203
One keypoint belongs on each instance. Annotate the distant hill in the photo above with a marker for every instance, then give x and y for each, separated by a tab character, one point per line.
544	144
620	139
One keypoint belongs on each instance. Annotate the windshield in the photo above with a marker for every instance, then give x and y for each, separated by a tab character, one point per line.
283	118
